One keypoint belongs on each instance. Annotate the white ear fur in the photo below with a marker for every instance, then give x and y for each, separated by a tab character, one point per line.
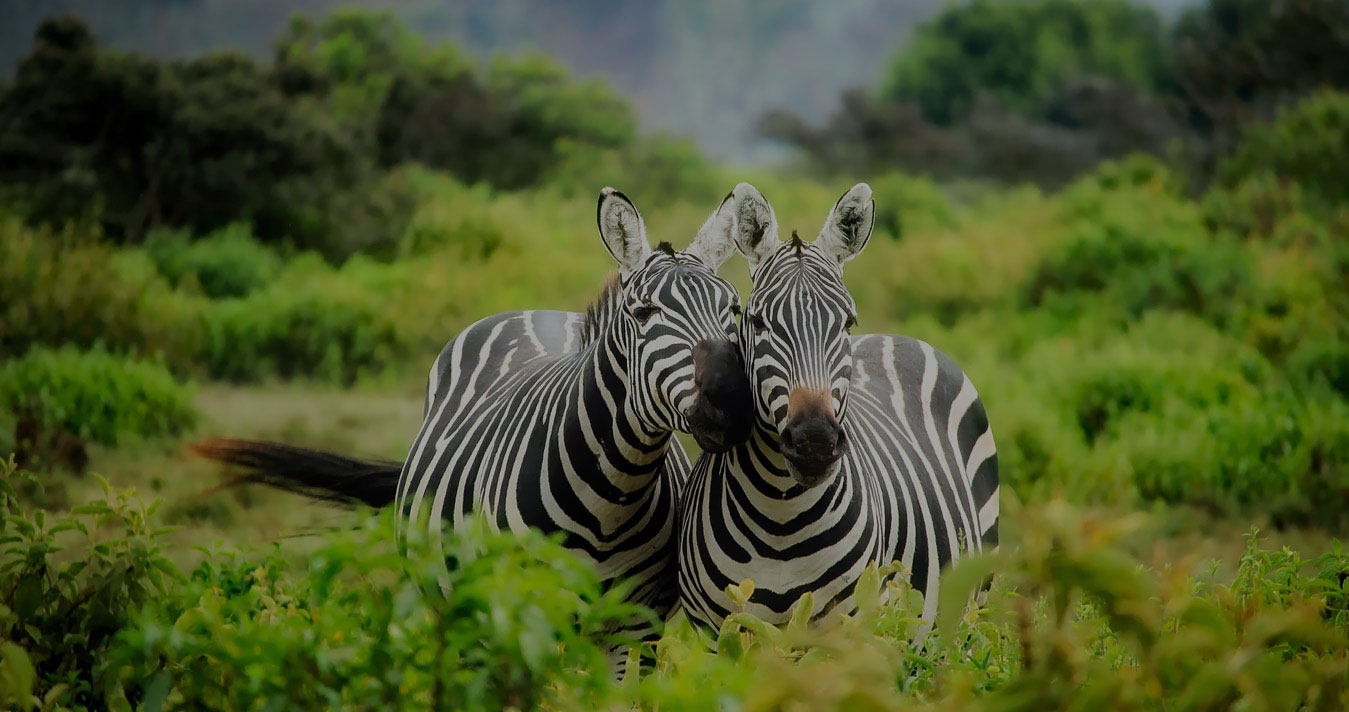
622	231
756	227
714	242
848	227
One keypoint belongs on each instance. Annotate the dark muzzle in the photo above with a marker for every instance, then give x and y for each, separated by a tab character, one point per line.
813	442
720	417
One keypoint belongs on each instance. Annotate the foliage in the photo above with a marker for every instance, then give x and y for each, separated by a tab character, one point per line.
520	623
67	287
68	584
298	148
1043	90
1075	619
91	396
197	144
1036	90
1305	143
1239	60
1131	239
1020	52
225	263
313	323
1074	622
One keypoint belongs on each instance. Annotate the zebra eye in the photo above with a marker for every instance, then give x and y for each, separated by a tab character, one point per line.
757	322
849	323
735	310
643	312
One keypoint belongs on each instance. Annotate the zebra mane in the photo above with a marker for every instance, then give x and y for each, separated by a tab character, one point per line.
796	243
599	311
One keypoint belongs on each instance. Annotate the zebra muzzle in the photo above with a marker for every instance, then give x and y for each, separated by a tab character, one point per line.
720	416
814	441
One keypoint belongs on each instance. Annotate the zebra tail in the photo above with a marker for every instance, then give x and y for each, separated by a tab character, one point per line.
318	474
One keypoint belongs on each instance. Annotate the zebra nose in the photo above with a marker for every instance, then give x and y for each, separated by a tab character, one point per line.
813	438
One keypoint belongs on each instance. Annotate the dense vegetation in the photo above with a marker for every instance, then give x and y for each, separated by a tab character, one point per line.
1074	621
1043	90
1142	343
300	147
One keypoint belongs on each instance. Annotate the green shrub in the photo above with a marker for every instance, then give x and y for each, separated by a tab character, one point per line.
314	322
905	203
67	586
1276	455
1074	620
225	263
1020	53
451	215
1307	144
520	624
650	168
67	288
1142	247
93	396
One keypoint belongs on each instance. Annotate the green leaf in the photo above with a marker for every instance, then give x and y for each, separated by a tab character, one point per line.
958	585
156	692
16	674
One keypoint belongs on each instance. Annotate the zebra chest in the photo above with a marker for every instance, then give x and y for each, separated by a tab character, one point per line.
819	542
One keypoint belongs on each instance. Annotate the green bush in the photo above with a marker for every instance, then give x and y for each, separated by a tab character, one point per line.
656	166
67	288
68	585
1307	144
906	203
1142	247
1020	52
314	322
1074	620
521	624
225	263
452	215
91	395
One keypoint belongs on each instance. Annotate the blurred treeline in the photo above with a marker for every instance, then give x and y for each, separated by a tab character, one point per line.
1043	90
300	147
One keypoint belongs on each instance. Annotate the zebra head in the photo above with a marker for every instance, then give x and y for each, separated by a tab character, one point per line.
796	329
675	321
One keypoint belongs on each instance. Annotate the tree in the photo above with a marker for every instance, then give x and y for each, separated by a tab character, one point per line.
1020	53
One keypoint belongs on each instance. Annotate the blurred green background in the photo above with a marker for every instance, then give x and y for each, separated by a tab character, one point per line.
1128	223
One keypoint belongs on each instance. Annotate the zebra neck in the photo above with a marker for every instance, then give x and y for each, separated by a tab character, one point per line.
601	420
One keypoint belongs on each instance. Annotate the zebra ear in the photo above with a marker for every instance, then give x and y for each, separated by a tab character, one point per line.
849	224
622	230
714	242
756	227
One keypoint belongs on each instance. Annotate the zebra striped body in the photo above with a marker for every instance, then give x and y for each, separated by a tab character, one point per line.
523	424
866	449
562	422
919	485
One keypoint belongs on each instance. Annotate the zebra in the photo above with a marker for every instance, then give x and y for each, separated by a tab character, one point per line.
561	421
867	448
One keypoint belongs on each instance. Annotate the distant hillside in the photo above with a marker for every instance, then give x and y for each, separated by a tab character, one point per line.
702	67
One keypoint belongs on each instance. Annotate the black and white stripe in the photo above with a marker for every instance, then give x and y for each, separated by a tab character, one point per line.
917	477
